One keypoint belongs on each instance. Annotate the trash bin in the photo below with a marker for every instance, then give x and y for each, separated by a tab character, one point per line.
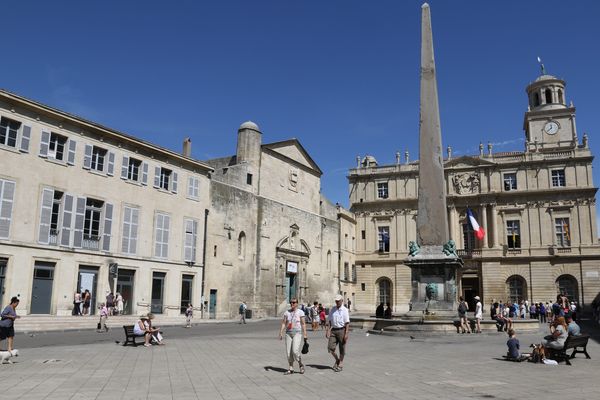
248	314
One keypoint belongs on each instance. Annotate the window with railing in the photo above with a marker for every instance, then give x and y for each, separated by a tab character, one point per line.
563	232
468	236
91	226
384	239
513	234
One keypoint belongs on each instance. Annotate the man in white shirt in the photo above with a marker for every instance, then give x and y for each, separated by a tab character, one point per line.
338	326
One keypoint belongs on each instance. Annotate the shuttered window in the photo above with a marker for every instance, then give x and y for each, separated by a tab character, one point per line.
165	179
162	224
50	216
7	194
130	230
193	191
9	131
98	159
189	245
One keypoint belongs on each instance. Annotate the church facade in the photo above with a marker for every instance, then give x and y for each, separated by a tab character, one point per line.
536	206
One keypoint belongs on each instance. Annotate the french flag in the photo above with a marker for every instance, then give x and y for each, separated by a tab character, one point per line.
479	232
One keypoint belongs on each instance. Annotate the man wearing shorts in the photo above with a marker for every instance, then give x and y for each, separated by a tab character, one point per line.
338	325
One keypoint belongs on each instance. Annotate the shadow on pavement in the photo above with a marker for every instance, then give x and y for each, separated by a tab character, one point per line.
276	369
318	366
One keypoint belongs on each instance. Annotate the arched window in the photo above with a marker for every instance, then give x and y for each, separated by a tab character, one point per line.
561	100
385	291
329	260
567	285
516	287
548	95
536	99
242	245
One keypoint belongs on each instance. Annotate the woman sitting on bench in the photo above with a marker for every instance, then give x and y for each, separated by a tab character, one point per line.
556	340
142	328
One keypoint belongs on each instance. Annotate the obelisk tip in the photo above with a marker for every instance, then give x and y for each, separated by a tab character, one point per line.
425	5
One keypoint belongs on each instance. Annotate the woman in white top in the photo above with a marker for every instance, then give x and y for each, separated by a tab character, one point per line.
294	324
141	328
478	313
119	304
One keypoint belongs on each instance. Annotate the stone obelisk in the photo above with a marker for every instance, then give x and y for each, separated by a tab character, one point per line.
432	220
432	259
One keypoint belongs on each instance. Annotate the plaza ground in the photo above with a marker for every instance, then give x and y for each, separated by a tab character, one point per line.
231	361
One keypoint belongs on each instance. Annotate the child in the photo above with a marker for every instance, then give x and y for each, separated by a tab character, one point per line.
513	346
189	313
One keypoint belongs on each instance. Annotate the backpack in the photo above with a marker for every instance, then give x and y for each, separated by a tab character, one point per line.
242	308
462	308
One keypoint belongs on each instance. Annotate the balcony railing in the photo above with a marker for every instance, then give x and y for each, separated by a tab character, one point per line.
91	242
468	253
53	238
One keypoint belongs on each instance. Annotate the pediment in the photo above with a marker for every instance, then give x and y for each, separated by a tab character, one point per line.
292	149
467	162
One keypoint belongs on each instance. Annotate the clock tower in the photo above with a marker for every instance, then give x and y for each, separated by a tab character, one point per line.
549	123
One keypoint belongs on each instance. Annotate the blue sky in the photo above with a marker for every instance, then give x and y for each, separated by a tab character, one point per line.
341	76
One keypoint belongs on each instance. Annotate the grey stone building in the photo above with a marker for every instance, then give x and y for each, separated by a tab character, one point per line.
537	207
272	235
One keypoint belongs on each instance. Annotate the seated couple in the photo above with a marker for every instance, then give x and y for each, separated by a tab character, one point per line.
143	327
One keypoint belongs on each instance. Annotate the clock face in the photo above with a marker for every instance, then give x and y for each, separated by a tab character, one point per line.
551	128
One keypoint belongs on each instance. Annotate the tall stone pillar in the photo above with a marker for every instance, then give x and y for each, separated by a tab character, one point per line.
494	225
484	226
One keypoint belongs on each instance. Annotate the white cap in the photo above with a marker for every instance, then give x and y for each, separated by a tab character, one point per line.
476	298
339	297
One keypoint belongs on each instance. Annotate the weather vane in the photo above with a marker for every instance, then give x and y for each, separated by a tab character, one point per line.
542	66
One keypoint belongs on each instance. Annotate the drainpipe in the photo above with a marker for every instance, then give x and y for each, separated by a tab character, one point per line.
203	262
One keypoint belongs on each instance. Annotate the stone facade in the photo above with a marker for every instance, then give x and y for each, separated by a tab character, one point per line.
77	197
537	208
272	235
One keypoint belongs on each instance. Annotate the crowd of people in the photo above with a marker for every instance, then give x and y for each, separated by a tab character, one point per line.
82	302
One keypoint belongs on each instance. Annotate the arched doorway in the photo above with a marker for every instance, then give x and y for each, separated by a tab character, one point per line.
384	291
516	288
567	285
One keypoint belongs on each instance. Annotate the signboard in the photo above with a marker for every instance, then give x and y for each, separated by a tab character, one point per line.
292	267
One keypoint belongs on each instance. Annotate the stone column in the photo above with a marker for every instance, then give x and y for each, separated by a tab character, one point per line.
453	223
484	226
494	225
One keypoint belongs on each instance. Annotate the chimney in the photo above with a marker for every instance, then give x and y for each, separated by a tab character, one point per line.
187	147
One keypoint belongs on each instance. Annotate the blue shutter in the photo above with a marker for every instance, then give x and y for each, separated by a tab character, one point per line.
111	164
67	221
79	222
144	173
174	183
46	216
7	193
124	167
87	157
156	177
25	138
106	234
44	143
72	149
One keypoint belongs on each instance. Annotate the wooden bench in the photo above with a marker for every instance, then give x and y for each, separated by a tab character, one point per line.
572	342
129	336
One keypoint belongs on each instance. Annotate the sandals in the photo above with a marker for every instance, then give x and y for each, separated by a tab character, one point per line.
302	369
337	368
289	372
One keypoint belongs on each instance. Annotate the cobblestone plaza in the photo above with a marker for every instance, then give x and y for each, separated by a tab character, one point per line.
231	361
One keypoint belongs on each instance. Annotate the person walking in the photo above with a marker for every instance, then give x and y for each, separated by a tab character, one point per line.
7	323
314	316
102	327
119	301
189	314
338	326
478	313
242	310
110	303
463	307
294	324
